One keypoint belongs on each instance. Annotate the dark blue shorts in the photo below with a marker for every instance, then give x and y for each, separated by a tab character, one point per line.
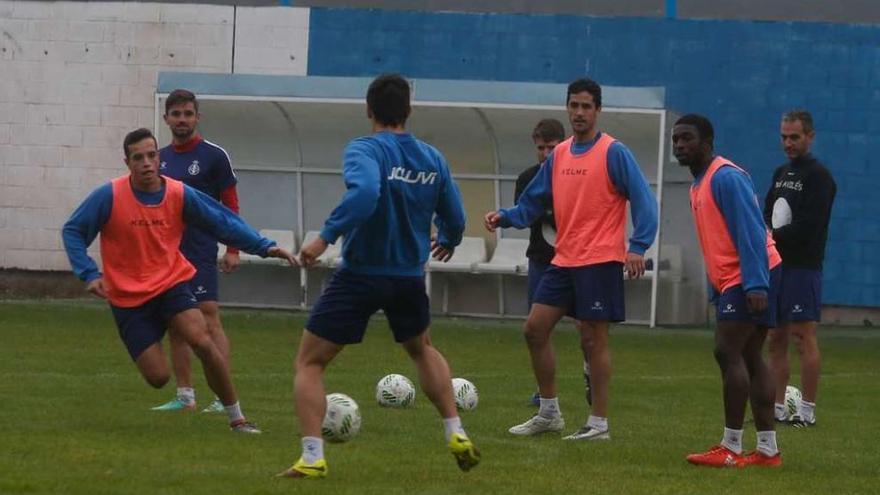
344	309
204	283
800	297
536	271
588	293
144	325
731	305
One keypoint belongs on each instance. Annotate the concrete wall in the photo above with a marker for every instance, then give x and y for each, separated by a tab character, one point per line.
77	76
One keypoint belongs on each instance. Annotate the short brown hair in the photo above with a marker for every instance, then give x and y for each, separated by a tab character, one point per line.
137	136
179	96
800	114
549	130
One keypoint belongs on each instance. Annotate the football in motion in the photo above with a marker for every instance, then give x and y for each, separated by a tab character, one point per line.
342	421
395	391
465	393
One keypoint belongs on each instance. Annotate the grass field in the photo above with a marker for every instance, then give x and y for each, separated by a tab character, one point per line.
76	417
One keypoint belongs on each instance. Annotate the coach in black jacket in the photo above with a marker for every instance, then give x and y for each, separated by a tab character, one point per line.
798	210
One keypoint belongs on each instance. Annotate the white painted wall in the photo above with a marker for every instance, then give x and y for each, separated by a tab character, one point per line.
75	77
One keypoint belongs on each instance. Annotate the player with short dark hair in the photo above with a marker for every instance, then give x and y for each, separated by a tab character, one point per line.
141	217
206	167
396	185
742	265
798	210
542	236
589	178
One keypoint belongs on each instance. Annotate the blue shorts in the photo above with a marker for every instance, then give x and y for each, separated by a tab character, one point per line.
800	297
588	293
536	271
344	309
144	325
204	283
731	304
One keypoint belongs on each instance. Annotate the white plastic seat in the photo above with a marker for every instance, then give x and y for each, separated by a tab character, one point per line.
283	238
509	258
471	251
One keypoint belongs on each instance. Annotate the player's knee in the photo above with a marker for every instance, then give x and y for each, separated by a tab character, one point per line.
157	379
534	332
777	339
723	356
201	344
416	348
304	363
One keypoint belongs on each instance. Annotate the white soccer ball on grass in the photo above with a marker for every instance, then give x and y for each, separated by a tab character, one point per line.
342	420
465	393
395	391
792	400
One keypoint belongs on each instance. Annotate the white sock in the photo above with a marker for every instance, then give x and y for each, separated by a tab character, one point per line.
732	439
313	449
186	394
452	425
586	367
597	423
549	408
767	443
779	411
807	410
234	412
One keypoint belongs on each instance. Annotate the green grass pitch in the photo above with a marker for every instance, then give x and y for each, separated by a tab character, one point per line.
76	418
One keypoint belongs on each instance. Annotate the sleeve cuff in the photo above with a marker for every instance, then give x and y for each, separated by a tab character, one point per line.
264	252
328	236
638	249
503	222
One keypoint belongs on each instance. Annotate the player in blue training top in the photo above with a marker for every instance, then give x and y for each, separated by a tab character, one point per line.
206	167
396	184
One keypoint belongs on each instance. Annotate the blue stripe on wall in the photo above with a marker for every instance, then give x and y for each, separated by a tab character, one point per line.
741	74
671	9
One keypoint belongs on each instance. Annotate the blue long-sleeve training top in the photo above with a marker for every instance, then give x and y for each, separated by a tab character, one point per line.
199	209
734	194
395	185
626	177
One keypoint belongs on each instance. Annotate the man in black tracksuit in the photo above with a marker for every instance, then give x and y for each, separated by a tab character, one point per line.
798	210
542	238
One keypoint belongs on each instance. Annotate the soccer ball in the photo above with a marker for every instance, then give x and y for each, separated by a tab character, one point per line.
395	391
342	420
792	400
465	393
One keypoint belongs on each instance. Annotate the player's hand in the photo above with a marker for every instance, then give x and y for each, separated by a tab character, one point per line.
96	288
756	302
229	262
281	253
490	221
440	253
634	265
308	255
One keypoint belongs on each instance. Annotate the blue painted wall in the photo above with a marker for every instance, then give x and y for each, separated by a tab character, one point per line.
742	75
